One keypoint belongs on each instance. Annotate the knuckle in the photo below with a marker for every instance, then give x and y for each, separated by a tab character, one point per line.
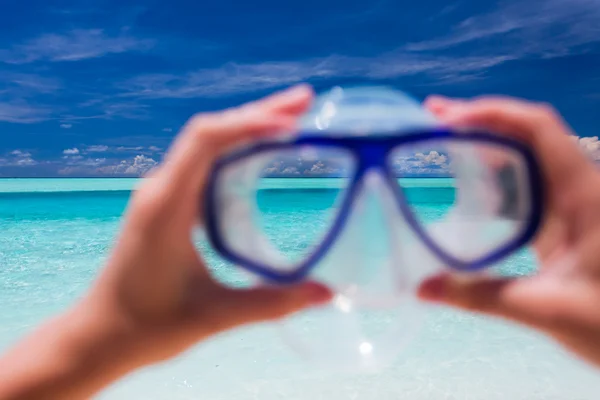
148	208
491	110
554	320
282	308
478	303
477	295
198	119
285	305
204	120
545	112
208	128
495	115
198	123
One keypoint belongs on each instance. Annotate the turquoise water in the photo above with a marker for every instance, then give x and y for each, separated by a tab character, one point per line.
56	233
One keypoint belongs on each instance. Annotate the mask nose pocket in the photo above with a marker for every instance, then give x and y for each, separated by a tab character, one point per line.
374	310
361	263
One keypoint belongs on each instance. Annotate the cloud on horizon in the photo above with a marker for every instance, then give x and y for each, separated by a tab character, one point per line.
102	160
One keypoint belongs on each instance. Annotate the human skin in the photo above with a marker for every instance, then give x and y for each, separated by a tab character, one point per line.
562	299
155	297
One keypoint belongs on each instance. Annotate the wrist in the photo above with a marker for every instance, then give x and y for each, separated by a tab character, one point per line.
71	356
99	341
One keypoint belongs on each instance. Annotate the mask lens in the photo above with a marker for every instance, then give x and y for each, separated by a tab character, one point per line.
489	193
276	221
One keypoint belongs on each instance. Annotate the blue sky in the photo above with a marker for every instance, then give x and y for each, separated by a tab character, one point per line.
100	87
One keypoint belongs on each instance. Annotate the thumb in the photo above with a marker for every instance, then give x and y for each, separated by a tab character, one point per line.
243	306
521	300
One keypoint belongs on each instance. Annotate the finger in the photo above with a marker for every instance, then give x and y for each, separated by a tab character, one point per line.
568	173
587	252
440	105
207	136
238	307
550	240
493	157
202	141
521	300
537	125
274	102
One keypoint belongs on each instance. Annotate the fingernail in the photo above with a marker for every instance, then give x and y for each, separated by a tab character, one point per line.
317	293
434	288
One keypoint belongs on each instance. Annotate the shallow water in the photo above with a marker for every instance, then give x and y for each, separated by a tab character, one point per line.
54	240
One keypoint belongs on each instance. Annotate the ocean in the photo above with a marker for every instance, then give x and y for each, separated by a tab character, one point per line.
55	234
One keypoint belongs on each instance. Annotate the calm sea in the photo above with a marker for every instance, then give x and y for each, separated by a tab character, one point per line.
55	234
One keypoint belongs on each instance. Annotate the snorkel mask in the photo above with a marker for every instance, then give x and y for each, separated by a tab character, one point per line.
343	218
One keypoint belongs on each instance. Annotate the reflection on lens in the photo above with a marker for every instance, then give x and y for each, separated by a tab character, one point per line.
507	177
284	211
490	203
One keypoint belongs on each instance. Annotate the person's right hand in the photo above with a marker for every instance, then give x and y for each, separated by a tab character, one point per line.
563	298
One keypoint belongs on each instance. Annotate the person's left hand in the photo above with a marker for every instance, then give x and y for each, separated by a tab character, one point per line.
157	284
156	297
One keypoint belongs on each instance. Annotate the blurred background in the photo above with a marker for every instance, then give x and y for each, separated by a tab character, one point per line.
98	88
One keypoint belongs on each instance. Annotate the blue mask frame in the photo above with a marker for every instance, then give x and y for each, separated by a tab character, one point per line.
371	153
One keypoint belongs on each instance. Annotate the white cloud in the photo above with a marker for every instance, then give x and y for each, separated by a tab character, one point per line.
320	168
24	162
112	151
136	166
20	112
97	149
21	83
291	171
125	148
432	158
430	162
72	157
515	29
20	95
93	162
139	165
239	78
535	28
75	45
105	107
590	146
18	158
525	27
78	165
129	110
